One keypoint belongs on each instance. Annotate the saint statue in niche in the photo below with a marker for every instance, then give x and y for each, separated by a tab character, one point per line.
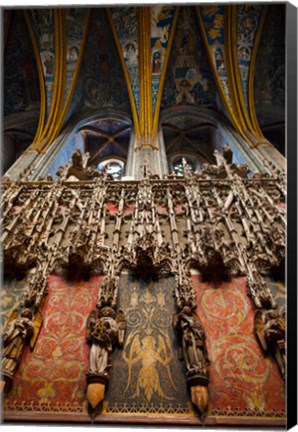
102	336
192	335
103	330
21	329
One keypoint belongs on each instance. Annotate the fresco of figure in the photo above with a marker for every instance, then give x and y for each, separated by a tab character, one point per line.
156	63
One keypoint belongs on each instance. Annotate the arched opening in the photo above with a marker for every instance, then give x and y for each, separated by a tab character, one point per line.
113	166
190	136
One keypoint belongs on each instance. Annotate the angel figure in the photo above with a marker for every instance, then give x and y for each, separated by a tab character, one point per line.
149	352
270	327
21	329
103	330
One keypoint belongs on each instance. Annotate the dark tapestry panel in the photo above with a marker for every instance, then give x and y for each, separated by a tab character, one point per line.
147	375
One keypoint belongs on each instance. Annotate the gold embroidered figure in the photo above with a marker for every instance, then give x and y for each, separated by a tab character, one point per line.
149	352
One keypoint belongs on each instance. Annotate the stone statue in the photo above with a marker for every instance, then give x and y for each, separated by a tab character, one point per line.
270	327
191	332
191	338
104	329
21	329
79	169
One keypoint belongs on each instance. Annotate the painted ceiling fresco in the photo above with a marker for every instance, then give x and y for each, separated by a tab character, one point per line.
126	25
270	63
21	83
43	26
248	18
161	22
189	79
193	69
101	81
269	82
75	26
213	23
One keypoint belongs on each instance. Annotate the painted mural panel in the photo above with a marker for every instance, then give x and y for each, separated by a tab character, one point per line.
269	83
278	290
10	295
189	79
242	380
269	78
21	88
213	22
75	26
52	378
126	24
248	18
101	80
43	26
161	21
148	378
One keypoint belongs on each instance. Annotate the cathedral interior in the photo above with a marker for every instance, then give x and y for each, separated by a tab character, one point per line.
143	215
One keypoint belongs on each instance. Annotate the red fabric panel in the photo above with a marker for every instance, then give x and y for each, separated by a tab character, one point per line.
54	374
241	377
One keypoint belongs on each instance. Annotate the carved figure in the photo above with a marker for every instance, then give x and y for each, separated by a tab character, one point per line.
79	168
21	329
270	329
102	334
192	347
191	332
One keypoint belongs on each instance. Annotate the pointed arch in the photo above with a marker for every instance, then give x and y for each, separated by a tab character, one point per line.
251	96
40	76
